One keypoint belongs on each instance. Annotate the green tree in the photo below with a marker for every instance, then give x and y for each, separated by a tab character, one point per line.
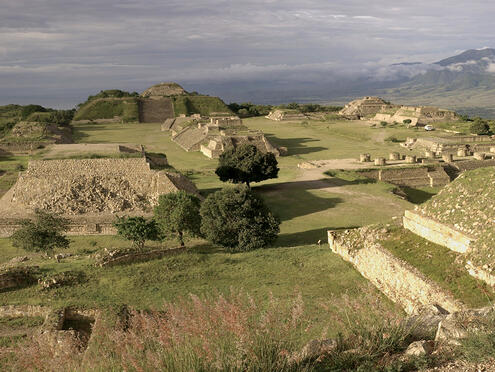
238	219
137	230
246	164
479	126
178	213
43	233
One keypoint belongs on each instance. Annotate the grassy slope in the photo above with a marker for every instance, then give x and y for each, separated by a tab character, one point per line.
204	105
108	108
440	264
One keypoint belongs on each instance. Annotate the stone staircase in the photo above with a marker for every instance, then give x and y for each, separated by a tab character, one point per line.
155	110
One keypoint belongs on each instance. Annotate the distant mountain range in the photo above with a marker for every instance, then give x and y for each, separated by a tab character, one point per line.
465	82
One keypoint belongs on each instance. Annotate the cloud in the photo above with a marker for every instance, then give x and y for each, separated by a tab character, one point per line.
51	46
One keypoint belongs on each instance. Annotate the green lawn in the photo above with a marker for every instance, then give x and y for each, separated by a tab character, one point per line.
296	263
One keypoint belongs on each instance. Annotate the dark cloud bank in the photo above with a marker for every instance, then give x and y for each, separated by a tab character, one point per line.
56	52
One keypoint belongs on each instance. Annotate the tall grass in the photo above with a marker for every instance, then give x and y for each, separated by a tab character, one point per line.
219	333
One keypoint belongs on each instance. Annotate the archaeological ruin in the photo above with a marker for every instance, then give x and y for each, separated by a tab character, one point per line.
461	217
90	192
378	110
212	135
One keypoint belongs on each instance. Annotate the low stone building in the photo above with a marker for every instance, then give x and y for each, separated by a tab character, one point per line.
378	110
366	107
90	192
286	115
218	144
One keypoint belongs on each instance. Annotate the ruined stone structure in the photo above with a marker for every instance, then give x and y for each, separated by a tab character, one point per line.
155	110
397	279
461	217
218	144
426	175
164	90
363	108
416	115
286	115
88	191
440	145
377	109
213	135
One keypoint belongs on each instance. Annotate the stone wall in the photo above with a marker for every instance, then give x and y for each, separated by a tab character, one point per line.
398	280
414	176
436	232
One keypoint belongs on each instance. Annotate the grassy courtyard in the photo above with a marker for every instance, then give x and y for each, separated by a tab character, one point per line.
296	263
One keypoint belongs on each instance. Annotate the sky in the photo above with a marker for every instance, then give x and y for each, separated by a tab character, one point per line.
57	52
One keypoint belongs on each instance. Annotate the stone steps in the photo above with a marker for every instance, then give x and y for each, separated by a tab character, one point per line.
155	110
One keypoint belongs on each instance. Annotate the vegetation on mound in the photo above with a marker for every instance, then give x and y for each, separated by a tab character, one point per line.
204	105
10	115
440	264
111	93
468	205
108	108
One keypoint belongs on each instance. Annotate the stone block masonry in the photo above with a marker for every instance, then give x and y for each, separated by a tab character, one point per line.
398	280
437	232
90	192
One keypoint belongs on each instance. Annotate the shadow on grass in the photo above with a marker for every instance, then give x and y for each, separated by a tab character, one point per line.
295	146
309	237
417	196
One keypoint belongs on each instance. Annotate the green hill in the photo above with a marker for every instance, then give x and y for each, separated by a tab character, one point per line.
204	105
108	108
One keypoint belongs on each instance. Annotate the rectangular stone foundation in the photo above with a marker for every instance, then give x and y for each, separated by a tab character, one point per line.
436	232
398	280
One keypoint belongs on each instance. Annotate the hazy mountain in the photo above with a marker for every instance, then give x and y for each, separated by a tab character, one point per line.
465	82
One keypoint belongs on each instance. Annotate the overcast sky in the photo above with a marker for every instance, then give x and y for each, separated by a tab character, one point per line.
56	52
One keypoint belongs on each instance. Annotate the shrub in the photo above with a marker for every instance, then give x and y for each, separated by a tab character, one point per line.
238	219
42	234
480	127
383	123
178	213
407	121
246	164
137	230
393	139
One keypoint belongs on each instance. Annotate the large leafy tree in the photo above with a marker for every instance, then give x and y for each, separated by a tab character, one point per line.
137	230
246	164
178	213
43	233
238	219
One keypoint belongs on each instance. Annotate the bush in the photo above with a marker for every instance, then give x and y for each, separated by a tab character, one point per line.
383	123
393	139
137	230
178	213
236	218
407	121
480	127
246	164
42	234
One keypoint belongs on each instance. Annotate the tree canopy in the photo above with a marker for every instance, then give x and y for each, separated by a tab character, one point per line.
238	219
178	213
246	164
137	230
479	126
43	233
